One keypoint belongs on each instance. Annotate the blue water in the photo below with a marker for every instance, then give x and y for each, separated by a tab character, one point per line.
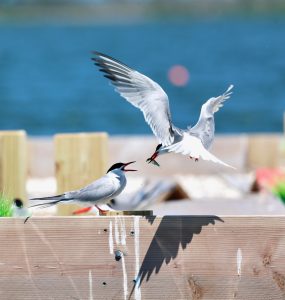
48	83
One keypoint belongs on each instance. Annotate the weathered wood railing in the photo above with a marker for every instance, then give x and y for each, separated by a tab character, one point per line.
83	157
79	159
173	257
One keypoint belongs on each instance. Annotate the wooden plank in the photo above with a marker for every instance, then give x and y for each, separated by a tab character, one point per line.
79	159
249	204
13	164
264	150
176	257
128	213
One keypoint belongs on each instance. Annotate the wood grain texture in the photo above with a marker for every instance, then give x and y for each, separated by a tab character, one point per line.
264	150
79	159
191	257
128	213
13	164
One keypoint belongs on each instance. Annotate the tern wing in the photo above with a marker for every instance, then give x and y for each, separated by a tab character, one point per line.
143	93
193	147
101	189
205	127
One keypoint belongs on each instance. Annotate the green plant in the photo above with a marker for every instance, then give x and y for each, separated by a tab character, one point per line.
279	190
5	207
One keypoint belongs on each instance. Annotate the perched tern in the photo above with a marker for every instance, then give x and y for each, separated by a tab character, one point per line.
98	192
150	98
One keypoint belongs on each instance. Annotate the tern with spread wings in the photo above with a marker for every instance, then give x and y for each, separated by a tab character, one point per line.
150	98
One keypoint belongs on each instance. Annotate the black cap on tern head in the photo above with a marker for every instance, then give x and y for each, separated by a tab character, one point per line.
18	202
115	166
121	166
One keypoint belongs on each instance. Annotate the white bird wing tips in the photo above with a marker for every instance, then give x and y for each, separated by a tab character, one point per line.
229	89
216	103
227	94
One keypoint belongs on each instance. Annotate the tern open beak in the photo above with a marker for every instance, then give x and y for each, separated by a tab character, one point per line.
129	170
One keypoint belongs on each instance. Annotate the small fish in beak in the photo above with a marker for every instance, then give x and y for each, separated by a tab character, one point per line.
153	162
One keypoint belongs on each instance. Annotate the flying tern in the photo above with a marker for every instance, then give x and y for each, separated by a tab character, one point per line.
150	98
98	192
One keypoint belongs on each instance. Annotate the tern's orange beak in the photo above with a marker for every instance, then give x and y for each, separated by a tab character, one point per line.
129	170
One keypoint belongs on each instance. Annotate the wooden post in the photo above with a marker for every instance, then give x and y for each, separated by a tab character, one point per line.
264	150
13	164
79	159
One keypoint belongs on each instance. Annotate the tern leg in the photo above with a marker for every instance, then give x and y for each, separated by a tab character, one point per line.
27	218
196	158
82	210
101	211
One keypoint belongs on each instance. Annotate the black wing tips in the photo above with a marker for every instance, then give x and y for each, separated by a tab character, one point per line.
115	79
99	57
114	70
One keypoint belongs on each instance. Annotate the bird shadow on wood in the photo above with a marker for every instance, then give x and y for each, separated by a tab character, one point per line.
172	232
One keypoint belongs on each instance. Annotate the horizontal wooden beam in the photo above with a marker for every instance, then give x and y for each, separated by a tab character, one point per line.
133	257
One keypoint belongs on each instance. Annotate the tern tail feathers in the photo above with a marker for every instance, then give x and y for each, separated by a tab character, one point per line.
50	201
47	204
56	197
209	156
193	147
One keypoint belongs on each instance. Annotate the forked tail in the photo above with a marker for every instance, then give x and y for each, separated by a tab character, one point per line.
49	201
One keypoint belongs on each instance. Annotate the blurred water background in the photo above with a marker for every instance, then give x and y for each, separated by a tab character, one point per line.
48	84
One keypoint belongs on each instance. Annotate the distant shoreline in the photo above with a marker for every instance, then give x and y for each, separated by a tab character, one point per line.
128	13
